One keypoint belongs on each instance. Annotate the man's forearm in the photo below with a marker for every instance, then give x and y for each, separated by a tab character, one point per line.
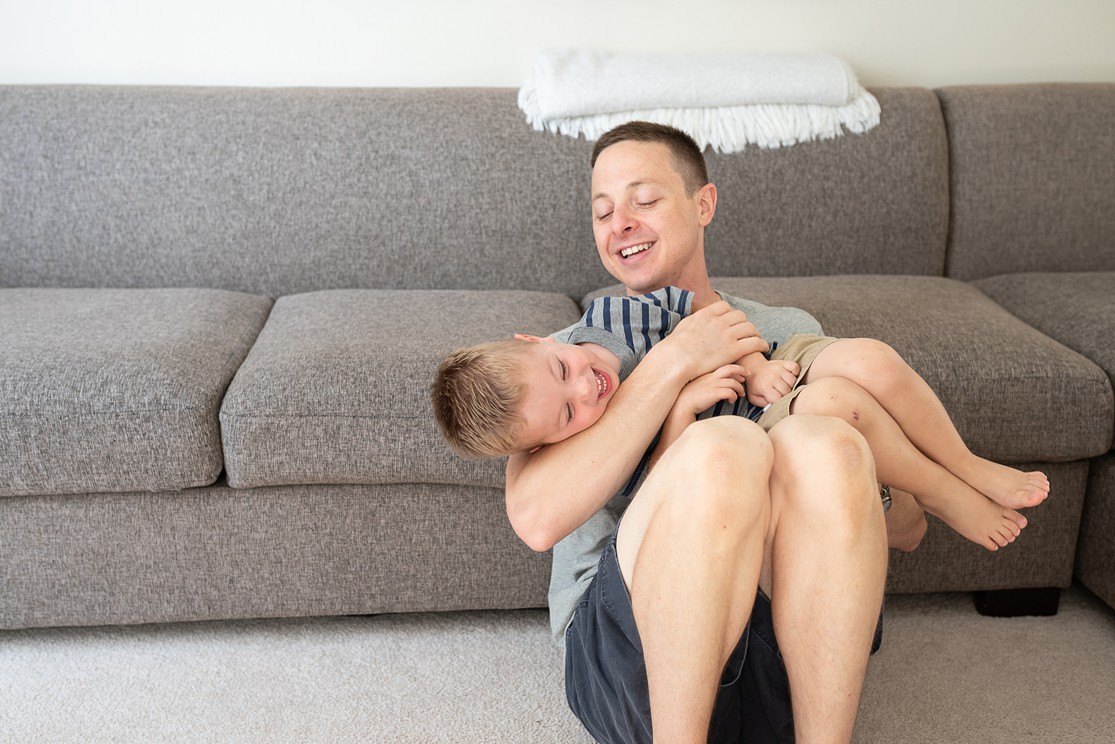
556	489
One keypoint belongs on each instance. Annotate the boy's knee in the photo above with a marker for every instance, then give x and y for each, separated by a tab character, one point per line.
879	362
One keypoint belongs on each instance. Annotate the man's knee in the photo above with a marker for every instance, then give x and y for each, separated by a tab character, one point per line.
813	437
723	464
723	443
822	460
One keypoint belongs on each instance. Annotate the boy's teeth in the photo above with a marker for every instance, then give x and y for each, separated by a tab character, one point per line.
601	384
626	252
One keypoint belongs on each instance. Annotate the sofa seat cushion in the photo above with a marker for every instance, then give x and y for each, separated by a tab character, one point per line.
336	390
117	389
1014	394
1076	308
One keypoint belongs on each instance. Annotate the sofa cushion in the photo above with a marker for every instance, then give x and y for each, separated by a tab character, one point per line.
336	390
1014	394
1076	308
191	186
117	390
1095	550
1032	184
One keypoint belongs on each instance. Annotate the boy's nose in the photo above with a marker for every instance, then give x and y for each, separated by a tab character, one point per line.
587	385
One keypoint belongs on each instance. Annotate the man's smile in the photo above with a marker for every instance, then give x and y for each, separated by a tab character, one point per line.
635	249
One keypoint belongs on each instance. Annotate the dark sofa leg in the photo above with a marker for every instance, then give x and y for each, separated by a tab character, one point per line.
1017	602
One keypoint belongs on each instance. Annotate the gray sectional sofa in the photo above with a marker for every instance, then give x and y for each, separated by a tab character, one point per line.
220	310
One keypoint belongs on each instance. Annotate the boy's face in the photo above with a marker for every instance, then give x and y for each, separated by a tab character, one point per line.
568	386
649	230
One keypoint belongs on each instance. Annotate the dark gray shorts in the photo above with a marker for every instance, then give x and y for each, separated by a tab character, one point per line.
606	682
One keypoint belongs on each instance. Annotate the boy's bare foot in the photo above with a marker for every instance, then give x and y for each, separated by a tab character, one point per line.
977	518
1006	486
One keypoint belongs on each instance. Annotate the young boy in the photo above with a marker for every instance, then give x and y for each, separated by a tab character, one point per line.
518	395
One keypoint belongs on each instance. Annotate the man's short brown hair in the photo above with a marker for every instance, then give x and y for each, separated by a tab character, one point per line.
477	396
689	161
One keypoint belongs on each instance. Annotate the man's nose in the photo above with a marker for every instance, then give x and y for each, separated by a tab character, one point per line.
622	220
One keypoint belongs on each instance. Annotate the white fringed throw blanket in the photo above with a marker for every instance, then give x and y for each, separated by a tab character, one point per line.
727	101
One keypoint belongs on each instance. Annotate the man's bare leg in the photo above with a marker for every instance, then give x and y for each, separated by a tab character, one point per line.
827	569
877	368
690	548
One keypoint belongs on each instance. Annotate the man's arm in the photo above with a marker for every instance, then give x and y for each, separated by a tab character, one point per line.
553	491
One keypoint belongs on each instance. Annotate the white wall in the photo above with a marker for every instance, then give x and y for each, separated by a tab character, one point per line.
489	42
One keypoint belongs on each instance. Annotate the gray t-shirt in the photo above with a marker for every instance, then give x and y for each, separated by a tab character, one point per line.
576	557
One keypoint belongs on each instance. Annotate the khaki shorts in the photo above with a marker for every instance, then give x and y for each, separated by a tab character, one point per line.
802	348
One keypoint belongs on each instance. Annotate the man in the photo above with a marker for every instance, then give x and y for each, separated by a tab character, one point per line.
734	538
647	247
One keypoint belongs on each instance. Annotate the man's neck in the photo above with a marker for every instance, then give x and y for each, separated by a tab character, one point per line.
704	296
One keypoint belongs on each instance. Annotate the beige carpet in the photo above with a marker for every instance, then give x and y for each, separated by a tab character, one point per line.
945	674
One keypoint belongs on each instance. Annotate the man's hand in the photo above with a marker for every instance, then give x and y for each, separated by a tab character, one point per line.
770	379
711	338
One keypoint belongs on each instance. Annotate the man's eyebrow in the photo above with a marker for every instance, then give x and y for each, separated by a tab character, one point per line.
630	186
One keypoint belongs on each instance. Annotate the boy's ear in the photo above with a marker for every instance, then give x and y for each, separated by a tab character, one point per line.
534	339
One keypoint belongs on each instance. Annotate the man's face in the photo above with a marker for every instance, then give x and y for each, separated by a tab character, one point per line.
568	387
649	230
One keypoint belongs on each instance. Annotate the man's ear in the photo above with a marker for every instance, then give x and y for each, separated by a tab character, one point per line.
533	339
706	202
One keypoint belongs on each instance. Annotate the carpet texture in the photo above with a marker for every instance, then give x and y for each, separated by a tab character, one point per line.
944	674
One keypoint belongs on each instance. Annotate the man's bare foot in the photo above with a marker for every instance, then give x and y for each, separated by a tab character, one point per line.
1006	486
977	518
906	525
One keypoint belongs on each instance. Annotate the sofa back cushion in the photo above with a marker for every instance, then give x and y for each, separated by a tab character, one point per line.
1033	187
283	191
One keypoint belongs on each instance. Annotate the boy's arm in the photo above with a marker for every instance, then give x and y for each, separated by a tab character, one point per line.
769	379
554	490
724	384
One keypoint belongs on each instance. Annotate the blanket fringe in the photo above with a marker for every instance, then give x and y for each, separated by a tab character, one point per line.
727	128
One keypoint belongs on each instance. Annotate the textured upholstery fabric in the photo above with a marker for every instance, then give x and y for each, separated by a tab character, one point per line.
411	189
336	390
216	552
1076	308
1095	551
875	203
1032	184
945	561
994	374
117	390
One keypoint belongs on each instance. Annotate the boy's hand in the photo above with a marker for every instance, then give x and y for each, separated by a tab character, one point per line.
722	384
770	380
710	338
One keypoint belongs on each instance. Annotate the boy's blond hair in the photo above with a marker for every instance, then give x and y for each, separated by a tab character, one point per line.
477	396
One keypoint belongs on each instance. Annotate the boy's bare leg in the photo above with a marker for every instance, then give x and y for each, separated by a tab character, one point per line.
690	548
881	371
827	569
898	462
